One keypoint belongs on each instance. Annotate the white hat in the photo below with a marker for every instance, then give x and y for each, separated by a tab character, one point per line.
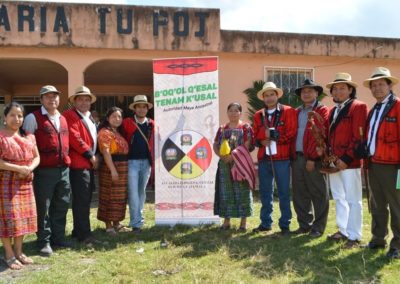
82	91
342	77
380	73
140	99
269	86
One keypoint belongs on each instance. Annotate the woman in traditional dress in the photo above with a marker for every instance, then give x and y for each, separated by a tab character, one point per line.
113	177
18	158
233	199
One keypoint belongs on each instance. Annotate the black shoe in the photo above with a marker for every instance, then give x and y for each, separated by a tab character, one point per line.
91	241
61	245
372	245
315	234
300	231
261	229
393	253
136	230
285	231
46	250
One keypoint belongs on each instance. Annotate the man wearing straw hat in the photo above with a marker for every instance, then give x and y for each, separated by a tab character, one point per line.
139	132
347	120
51	180
383	148
310	193
83	143
275	128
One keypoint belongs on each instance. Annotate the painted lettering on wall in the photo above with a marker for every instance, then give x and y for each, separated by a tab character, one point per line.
29	17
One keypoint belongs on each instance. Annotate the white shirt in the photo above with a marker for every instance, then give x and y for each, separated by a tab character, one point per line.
372	136
30	123
270	114
92	128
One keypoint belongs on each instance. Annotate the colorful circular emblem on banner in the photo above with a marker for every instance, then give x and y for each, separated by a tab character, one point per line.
186	154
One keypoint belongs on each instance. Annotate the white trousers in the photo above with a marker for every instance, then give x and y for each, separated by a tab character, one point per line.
346	190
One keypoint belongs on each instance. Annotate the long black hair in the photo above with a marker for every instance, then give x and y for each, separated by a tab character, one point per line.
353	94
106	124
7	109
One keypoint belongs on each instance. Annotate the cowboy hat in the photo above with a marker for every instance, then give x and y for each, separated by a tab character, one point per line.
380	73
48	89
82	91
269	86
342	77
308	83
140	99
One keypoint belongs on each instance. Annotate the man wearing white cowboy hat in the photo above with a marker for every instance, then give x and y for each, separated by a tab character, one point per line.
139	132
83	143
383	149
274	124
51	180
310	193
346	123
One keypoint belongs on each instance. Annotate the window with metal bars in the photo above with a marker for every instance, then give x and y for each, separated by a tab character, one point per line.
288	79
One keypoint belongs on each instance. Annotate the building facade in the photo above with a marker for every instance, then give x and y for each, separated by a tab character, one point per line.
110	49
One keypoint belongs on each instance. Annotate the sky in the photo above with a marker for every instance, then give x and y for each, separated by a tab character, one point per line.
370	18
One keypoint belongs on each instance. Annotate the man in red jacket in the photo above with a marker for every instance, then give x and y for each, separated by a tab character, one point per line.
347	120
51	180
310	192
383	146
83	143
139	132
275	128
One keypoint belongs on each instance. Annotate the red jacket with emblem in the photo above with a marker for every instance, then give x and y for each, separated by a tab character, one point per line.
387	144
309	142
344	133
285	122
129	128
80	141
53	146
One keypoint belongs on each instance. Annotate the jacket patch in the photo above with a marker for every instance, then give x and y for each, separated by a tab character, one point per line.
391	119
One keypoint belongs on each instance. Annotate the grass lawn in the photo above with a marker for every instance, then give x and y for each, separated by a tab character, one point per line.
207	255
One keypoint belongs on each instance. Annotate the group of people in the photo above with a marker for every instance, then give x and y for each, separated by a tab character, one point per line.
314	146
49	157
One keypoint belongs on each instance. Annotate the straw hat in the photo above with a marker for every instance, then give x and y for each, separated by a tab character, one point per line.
380	73
82	91
308	83
48	89
140	99
342	77
269	86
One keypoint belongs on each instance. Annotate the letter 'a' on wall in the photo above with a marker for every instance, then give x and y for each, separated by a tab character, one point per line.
187	116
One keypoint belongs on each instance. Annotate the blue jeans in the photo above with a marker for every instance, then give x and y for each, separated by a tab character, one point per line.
282	172
138	176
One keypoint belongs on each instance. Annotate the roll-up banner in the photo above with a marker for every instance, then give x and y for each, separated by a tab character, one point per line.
186	113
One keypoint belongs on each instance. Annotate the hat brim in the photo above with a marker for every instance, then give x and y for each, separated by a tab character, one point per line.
351	83
49	92
93	97
392	79
132	105
262	91
318	88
